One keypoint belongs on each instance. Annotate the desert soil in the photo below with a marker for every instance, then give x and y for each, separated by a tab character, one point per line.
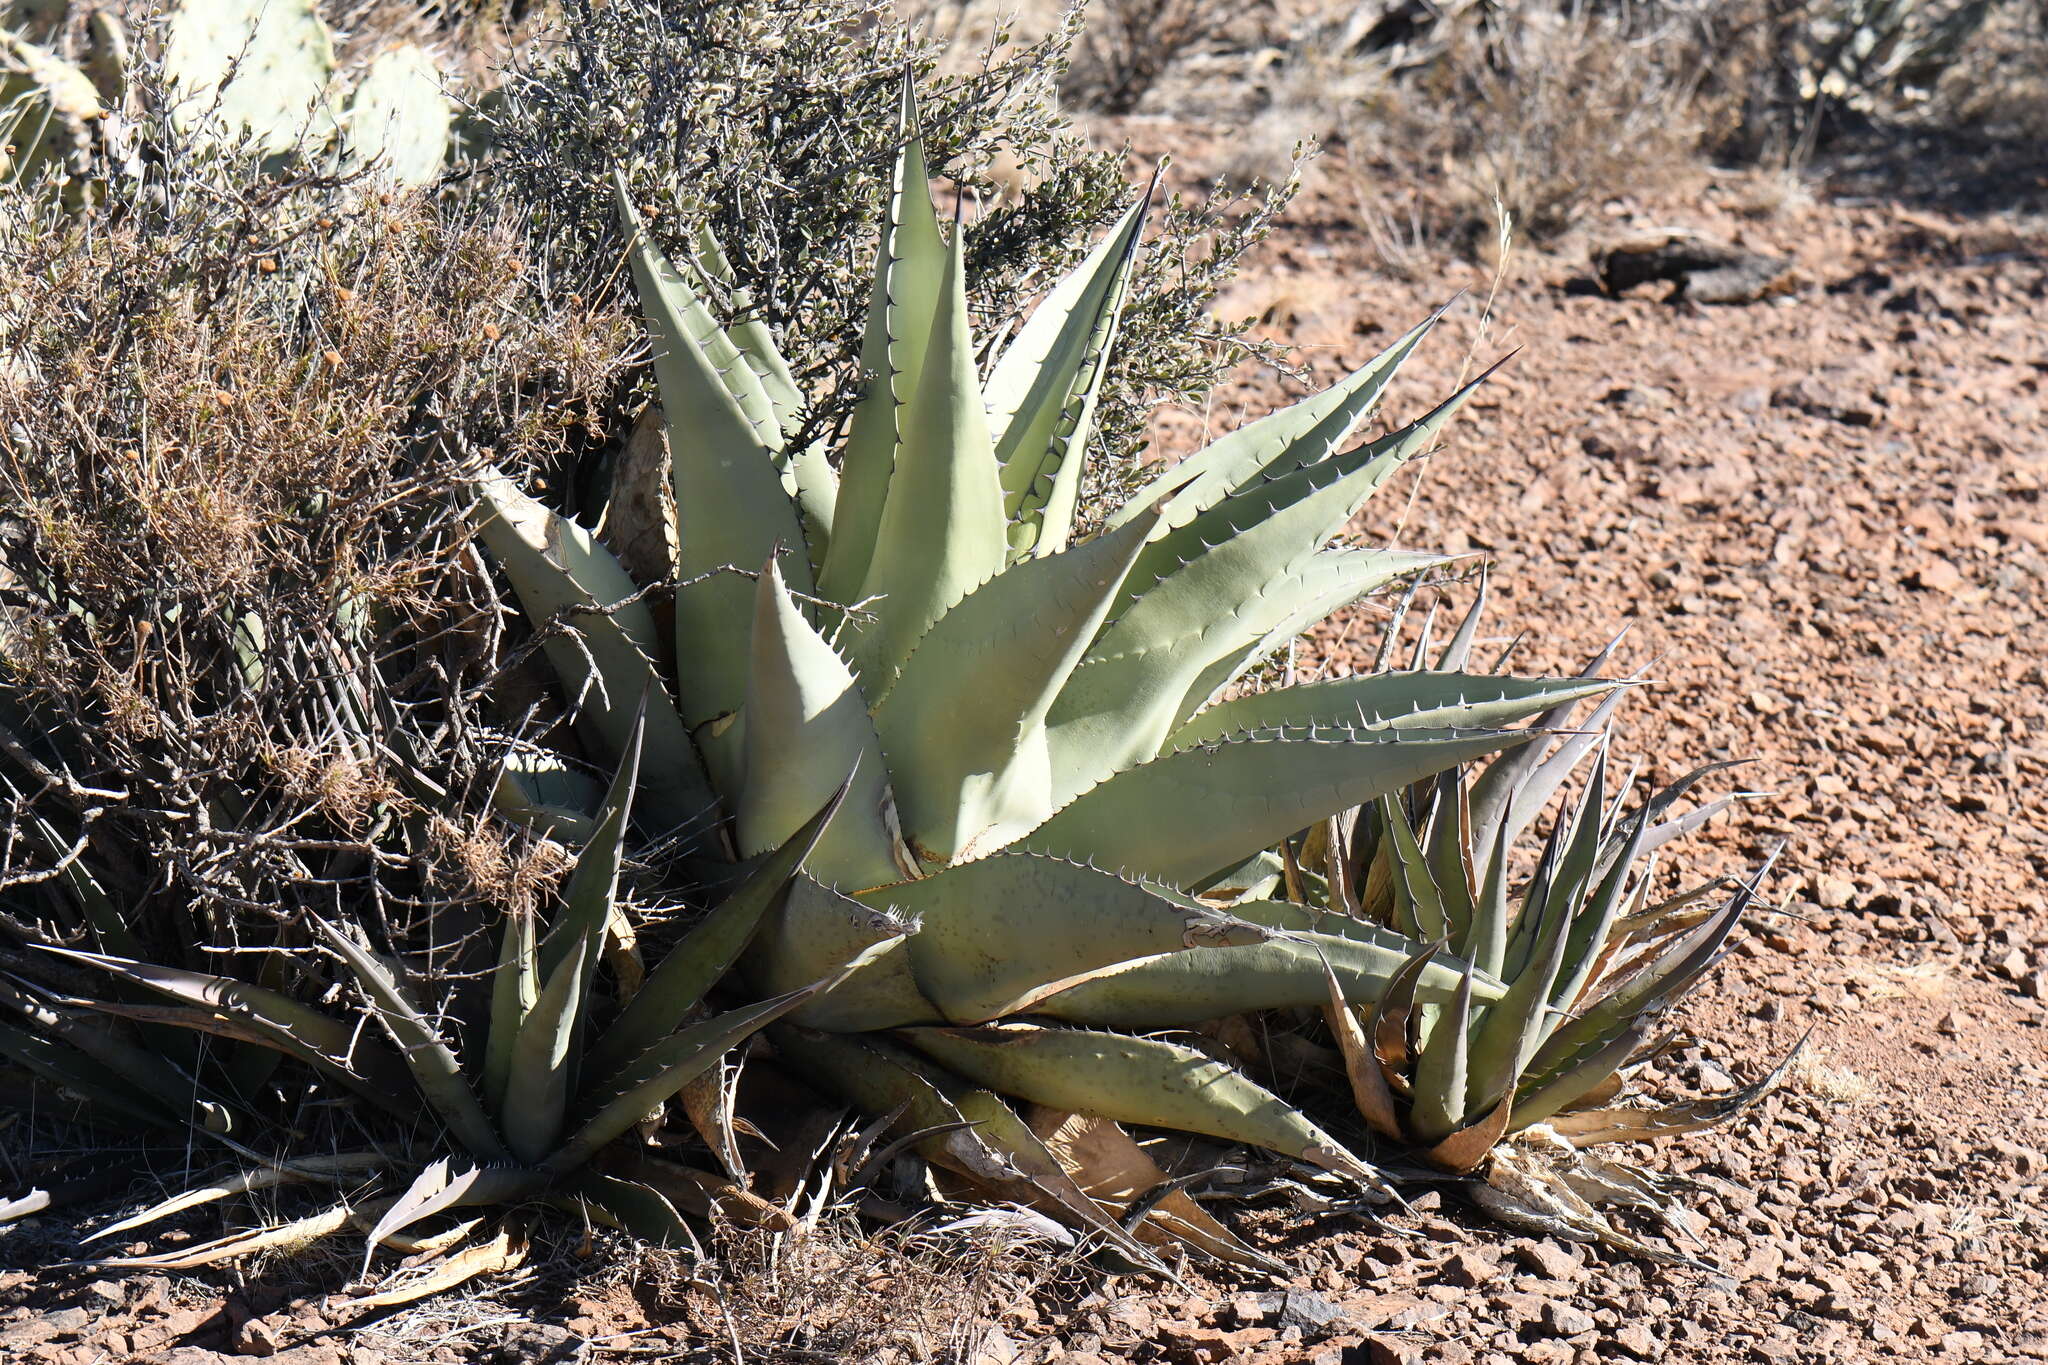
1824	515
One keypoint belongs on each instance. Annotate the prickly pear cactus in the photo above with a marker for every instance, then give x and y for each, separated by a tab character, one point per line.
261	66
399	119
47	111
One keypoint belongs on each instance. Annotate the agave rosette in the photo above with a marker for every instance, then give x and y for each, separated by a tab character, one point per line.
1042	782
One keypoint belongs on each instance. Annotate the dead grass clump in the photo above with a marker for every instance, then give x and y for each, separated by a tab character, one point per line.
239	627
921	1290
1561	109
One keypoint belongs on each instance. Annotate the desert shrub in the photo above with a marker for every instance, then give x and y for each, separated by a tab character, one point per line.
774	122
232	406
1129	44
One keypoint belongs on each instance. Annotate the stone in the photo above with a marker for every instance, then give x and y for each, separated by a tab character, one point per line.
538	1343
256	1337
1386	1350
1469	1268
1937	575
1567	1320
1638	1340
1549	1260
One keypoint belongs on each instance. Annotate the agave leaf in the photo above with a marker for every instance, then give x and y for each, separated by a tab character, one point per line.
251	1013
710	390
590	897
679	983
970	779
1490	909
1042	392
809	934
1450	860
431	1191
1507	785
807	728
1390	1031
1315	588
1001	934
942	529
1457	655
1423	905
426	1052
545	794
1227	580
1400	700
910	267
1572	1079
1333	487
749	333
732	507
628	1096
140	1071
1195	985
74	1072
332	1169
969	1132
537	1084
1638	996
1196	810
1112	1169
515	989
1514	1028
692	1191
1590	1127
286	1237
1135	1080
636	1209
1369	1088
505	1251
1437	1108
1463	1150
1294	437
558	568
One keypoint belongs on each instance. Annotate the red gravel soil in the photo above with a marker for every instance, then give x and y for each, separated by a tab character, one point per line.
1824	514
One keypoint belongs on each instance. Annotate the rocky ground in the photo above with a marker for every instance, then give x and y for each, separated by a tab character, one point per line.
1824	513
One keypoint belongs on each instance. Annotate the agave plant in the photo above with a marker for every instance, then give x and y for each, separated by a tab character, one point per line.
1044	780
546	1089
1589	963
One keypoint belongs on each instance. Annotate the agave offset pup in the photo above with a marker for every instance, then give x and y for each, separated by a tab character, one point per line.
544	1096
1040	784
1590	965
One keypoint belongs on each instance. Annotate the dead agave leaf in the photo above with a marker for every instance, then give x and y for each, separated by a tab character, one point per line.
1116	1172
506	1251
246	1182
708	1101
1589	1127
1539	1182
705	1194
1463	1150
287	1237
1369	1089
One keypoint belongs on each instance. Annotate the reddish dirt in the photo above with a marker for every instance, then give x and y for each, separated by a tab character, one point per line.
1825	515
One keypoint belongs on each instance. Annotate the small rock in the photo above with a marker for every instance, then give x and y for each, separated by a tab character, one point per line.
1549	1260
1565	1320
1469	1268
2034	985
1638	1340
256	1337
1833	893
1980	1286
538	1343
1385	1350
1950	1024
1936	575
2012	966
105	1294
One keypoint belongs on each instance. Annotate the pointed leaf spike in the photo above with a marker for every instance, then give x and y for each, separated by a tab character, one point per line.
942	529
807	728
910	267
